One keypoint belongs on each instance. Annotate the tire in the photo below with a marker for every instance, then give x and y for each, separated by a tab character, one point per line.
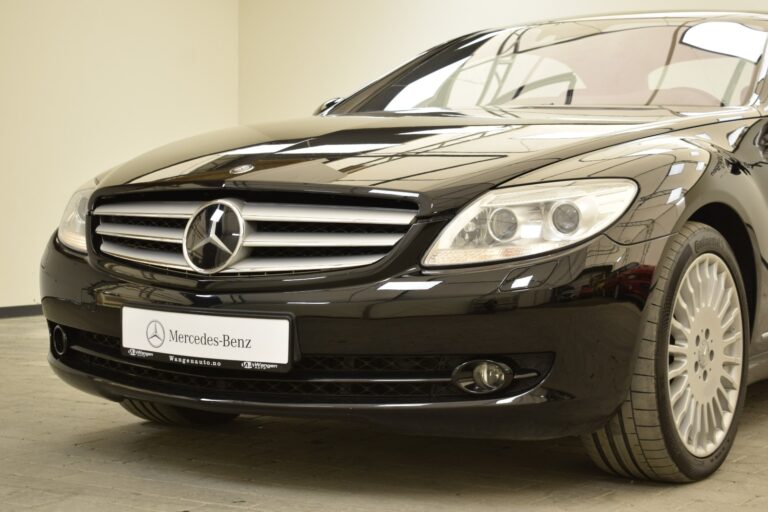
173	415
647	438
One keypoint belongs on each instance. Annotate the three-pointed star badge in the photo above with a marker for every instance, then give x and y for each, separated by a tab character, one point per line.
155	333
214	236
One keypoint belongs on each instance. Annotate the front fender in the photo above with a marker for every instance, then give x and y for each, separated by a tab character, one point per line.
677	173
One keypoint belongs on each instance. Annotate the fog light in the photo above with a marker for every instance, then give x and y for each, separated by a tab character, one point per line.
482	376
59	341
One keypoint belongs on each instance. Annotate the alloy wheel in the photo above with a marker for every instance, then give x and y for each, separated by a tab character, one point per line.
705	355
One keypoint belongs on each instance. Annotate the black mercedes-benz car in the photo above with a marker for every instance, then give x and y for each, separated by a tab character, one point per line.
531	232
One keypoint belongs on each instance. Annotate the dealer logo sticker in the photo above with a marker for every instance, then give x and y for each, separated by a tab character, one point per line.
134	352
155	334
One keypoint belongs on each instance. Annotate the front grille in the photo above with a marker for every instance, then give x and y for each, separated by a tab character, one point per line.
281	237
315	378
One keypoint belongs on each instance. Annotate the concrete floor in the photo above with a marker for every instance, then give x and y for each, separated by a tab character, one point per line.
64	450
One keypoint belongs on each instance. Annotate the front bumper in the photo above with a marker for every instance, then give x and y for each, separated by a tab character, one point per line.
580	341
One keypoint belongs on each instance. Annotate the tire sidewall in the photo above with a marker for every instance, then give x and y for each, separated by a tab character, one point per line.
703	241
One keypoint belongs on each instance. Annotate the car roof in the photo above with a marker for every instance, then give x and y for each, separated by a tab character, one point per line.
731	15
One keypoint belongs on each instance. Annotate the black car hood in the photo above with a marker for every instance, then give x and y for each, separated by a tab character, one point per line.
447	159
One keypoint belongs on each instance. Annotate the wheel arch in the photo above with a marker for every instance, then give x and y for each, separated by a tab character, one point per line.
732	227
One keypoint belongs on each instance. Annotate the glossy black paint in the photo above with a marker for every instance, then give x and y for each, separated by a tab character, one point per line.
571	307
593	337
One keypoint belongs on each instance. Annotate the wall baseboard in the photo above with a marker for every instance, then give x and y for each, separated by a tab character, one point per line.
17	311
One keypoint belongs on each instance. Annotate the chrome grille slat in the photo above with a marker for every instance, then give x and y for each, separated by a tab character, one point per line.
168	210
301	264
266	212
263	239
145	256
329	214
160	234
278	237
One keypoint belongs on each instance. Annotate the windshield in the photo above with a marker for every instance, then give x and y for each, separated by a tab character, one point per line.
620	62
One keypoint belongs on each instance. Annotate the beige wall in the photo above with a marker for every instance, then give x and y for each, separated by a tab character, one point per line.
294	54
86	84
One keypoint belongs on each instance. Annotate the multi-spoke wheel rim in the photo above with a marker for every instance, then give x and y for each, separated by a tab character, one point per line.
705	355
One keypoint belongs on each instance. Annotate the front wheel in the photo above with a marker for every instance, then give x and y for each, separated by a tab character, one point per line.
679	420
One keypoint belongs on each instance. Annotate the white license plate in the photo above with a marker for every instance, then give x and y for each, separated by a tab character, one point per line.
207	340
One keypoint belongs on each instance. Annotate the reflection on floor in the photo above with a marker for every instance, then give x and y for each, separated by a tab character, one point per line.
64	450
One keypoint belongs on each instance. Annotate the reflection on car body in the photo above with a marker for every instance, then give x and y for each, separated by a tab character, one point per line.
531	232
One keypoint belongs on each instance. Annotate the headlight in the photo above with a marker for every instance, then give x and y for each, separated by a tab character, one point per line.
524	221
72	225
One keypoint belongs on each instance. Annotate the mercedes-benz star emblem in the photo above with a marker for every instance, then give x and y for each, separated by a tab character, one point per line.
155	333
214	236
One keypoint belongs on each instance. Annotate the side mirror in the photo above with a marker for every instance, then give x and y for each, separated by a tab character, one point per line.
327	105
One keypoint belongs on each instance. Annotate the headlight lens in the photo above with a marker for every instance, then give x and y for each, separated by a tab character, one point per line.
72	225
524	221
